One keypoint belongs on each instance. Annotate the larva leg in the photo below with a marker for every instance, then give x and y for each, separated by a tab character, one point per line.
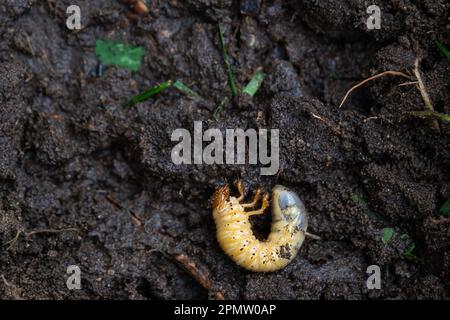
255	200
265	204
241	190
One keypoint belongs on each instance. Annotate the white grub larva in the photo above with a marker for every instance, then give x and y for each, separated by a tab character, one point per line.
235	237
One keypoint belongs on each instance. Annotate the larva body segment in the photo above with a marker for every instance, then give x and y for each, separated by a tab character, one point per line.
236	238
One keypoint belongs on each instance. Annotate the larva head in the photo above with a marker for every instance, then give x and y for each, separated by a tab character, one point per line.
288	207
220	196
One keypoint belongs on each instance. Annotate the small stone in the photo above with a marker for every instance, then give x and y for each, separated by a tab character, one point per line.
52	253
140	7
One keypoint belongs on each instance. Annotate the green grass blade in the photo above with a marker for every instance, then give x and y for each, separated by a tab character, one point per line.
147	94
431	114
444	50
231	82
219	108
186	90
255	83
445	209
409	252
119	54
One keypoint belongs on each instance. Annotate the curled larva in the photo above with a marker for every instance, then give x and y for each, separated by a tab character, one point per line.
235	236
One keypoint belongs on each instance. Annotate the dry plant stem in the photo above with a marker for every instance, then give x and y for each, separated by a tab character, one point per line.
11	242
333	128
383	74
201	276
441	220
28	234
408	83
137	221
14	291
312	236
424	93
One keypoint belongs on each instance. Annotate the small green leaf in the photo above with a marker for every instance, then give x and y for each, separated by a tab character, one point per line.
255	83
119	54
358	199
445	209
409	251
444	50
388	233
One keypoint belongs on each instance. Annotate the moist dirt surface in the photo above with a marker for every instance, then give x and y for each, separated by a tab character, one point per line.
86	181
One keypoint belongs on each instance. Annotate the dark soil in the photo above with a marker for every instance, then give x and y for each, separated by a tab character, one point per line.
71	156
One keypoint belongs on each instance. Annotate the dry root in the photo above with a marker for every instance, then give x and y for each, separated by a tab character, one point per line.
200	275
14	240
335	129
380	75
414	80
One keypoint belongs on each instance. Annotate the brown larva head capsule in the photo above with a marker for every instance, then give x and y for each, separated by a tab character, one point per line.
220	196
288	207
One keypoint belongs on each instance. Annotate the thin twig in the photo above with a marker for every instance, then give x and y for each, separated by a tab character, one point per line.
424	93
14	290
410	83
327	122
423	90
441	220
312	236
201	276
383	74
370	118
11	242
135	218
28	234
